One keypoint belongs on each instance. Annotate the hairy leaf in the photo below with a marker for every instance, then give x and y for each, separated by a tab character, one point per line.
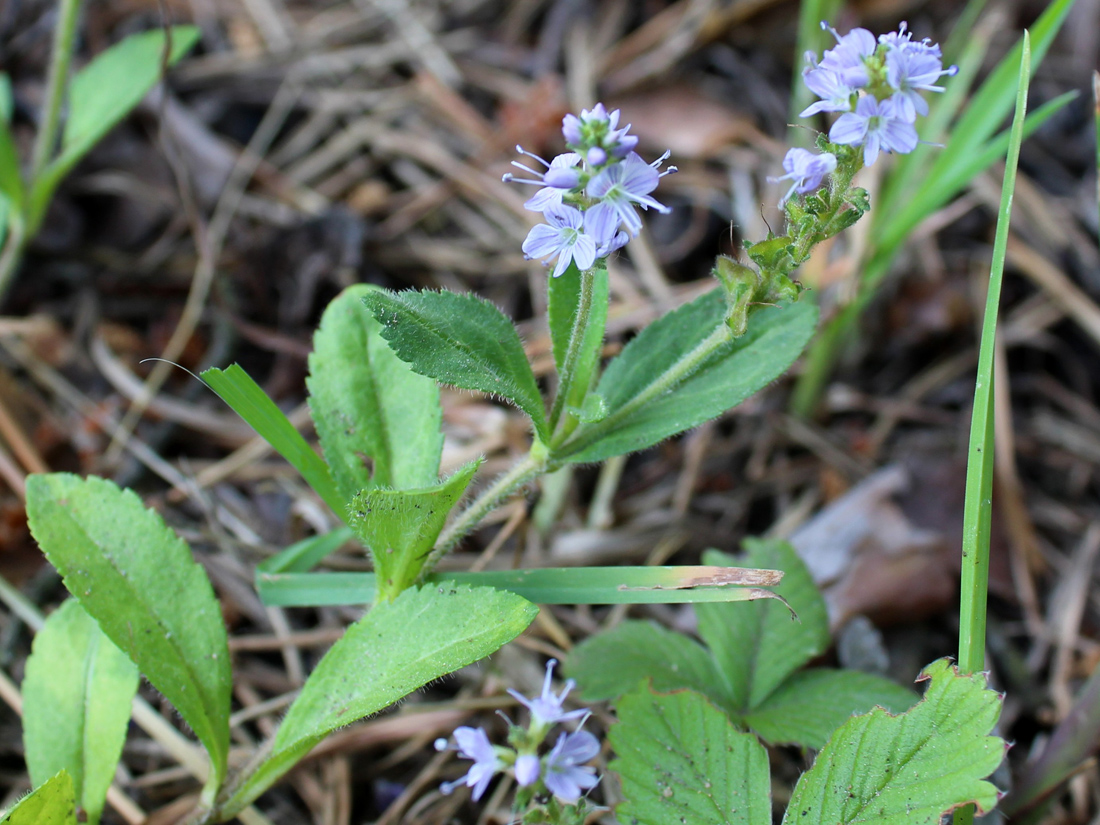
137	579
908	769
76	705
810	705
683	763
609	664
400	527
775	338
396	648
461	340
50	804
563	299
378	421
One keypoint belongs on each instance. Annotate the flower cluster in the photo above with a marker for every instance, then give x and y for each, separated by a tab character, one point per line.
875	86
588	195
560	772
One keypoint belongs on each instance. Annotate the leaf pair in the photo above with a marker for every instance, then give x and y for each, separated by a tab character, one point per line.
137	579
683	763
750	664
467	342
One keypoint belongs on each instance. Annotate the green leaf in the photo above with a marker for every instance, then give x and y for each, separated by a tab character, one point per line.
810	705
51	804
757	646
305	554
137	579
908	769
102	94
378	421
76	705
609	664
462	340
237	389
775	338
400	527
7	99
682	763
396	648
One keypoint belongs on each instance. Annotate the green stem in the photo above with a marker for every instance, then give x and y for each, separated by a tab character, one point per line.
671	378
559	426
531	467
10	256
57	82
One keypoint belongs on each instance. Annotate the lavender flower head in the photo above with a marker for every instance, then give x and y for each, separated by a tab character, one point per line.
473	743
875	126
546	708
806	171
589	195
566	775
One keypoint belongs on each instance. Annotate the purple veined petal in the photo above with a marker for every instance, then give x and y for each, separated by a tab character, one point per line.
870	150
618	242
527	770
565	775
564	216
602	183
541	241
601	221
898	136
638	177
571	129
543	199
849	129
584	254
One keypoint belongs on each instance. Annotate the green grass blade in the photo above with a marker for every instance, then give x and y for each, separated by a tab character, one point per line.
306	554
979	469
1096	102
237	389
557	585
962	31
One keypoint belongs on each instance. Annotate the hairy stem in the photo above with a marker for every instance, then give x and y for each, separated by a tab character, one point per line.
573	354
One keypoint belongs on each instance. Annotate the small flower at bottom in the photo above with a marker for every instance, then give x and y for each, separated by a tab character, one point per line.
546	709
806	171
568	234
566	775
473	743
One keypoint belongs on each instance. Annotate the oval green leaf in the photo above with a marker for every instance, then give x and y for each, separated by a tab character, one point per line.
137	579
378	421
76	705
396	648
50	804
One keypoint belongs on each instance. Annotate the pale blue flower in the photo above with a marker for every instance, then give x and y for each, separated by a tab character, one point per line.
903	39
618	188
806	170
847	57
829	85
598	127
473	743
566	777
878	126
567	236
910	70
560	176
546	709
527	769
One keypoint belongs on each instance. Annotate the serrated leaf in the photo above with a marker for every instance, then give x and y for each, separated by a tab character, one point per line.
400	527
377	420
50	804
810	705
237	389
682	763
462	340
609	664
908	769
396	648
102	94
137	579
76	705
757	646
775	338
